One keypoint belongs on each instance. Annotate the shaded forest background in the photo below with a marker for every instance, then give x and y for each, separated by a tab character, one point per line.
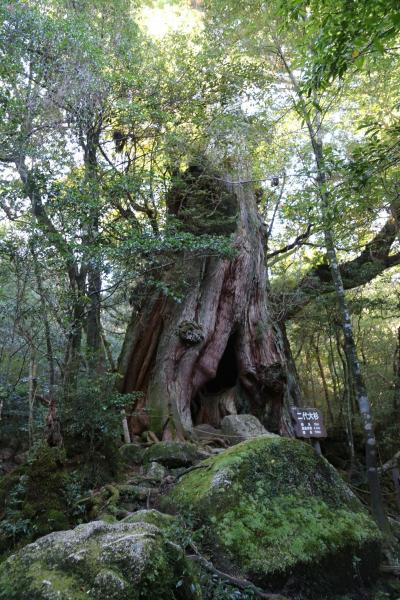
102	107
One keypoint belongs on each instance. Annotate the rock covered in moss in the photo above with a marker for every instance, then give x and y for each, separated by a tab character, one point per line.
156	472
132	453
121	561
136	492
281	516
238	428
206	433
173	454
152	516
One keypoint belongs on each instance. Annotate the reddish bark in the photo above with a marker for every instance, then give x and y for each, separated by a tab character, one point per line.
217	351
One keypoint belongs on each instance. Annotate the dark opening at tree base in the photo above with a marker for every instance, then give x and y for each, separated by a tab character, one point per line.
219	396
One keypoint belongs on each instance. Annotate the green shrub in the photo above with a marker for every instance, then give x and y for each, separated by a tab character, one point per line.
33	498
91	426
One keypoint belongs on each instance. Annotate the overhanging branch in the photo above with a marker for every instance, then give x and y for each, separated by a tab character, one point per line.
371	262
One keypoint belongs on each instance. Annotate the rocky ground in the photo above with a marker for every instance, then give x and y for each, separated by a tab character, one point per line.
266	517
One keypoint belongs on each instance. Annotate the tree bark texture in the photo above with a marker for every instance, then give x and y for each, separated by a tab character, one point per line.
217	351
90	140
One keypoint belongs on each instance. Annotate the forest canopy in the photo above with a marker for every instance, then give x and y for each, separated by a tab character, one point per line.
200	215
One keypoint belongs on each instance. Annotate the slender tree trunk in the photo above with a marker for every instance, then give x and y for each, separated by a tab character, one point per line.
346	402
293	392
218	349
32	395
108	352
350	346
310	373
351	353
334	374
324	382
47	332
73	354
94	277
125	428
396	372
93	319
53	427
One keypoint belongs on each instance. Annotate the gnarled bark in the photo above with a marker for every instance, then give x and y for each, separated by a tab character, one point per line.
218	350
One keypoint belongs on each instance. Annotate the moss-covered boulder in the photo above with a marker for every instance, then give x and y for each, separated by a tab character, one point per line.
280	515
152	516
120	561
173	454
238	428
156	472
131	453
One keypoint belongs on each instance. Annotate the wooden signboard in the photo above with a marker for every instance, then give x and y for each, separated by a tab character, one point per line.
308	422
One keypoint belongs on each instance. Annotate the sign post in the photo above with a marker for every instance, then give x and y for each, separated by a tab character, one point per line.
308	424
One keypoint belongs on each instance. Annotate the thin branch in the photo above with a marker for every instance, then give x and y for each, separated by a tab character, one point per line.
277	204
390	463
299	241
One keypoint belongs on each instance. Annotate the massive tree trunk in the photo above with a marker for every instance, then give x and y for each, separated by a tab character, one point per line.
217	351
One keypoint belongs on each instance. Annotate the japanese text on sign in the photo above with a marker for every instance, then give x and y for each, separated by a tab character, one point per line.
308	422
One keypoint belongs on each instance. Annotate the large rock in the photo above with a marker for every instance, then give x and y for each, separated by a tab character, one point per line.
156	472
152	516
173	454
280	515
121	561
238	428
207	433
132	453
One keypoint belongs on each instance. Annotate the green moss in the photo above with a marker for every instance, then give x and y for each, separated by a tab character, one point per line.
290	530
172	454
154	517
35	581
201	203
107	518
121	562
61	583
57	520
131	454
34	499
272	506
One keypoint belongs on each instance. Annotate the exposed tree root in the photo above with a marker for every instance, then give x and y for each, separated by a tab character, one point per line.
242	584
